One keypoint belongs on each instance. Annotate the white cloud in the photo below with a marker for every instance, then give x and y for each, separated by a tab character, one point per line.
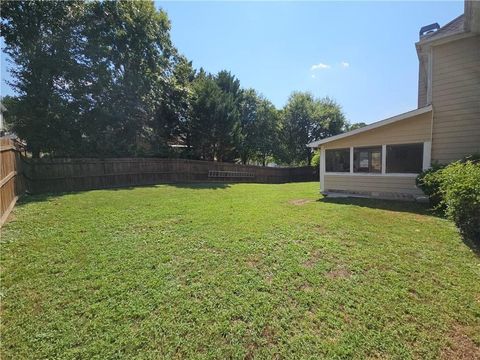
320	66
345	64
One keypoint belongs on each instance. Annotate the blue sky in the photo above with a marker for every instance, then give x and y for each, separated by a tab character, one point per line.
364	52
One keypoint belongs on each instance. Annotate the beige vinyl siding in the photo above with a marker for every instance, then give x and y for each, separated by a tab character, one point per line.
422	81
376	185
456	99
416	129
412	130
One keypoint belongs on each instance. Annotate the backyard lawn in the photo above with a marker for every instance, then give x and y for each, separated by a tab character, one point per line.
234	271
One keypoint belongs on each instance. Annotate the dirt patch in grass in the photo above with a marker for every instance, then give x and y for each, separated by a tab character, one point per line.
319	229
461	346
253	263
306	288
268	334
339	273
268	337
300	202
312	261
268	279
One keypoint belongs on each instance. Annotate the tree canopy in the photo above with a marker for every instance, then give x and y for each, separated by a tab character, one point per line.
103	78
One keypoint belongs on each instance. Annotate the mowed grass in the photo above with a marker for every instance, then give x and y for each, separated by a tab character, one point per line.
234	271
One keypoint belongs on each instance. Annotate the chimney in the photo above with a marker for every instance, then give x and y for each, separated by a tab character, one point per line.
472	16
428	29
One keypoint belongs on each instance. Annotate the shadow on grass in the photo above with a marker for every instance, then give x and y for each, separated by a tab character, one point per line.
390	205
473	245
201	186
49	196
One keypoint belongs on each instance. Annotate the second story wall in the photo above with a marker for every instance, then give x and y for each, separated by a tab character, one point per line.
422	79
456	99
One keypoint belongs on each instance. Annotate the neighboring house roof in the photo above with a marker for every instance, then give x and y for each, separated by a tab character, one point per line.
454	27
374	125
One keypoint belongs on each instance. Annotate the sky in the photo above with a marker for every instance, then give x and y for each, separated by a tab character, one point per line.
362	54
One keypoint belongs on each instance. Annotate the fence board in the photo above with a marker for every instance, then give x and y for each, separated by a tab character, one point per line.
12	184
62	175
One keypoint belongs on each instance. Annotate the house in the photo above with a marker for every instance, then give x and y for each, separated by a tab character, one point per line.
383	159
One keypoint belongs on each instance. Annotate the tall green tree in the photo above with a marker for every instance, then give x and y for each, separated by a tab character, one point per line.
93	78
266	131
305	119
215	116
226	126
171	121
42	40
246	133
258	128
129	61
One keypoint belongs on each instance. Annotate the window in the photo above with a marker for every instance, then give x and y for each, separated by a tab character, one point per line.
407	158
368	160
337	160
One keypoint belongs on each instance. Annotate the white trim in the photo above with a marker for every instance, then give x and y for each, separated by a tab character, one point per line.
371	174
384	159
427	155
374	125
322	169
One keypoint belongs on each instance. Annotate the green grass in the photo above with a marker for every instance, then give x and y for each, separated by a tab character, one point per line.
234	271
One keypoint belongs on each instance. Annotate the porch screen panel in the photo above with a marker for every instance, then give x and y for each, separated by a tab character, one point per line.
337	160
405	158
367	160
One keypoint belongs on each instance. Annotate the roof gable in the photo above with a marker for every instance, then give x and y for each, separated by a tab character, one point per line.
372	126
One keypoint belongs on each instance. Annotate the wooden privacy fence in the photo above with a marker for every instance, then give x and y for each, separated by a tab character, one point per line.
12	184
59	175
18	174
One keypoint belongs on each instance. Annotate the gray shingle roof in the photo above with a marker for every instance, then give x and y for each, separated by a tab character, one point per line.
455	26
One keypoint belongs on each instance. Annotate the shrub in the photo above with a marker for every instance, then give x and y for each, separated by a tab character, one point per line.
429	182
455	189
460	196
315	162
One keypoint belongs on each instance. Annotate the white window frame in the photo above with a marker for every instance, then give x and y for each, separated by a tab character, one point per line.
426	163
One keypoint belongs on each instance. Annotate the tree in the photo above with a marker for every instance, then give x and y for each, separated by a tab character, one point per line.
305	119
226	128
257	136
215	116
246	141
266	131
129	61
171	122
42	38
355	126
92	76
102	78
205	94
331	120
